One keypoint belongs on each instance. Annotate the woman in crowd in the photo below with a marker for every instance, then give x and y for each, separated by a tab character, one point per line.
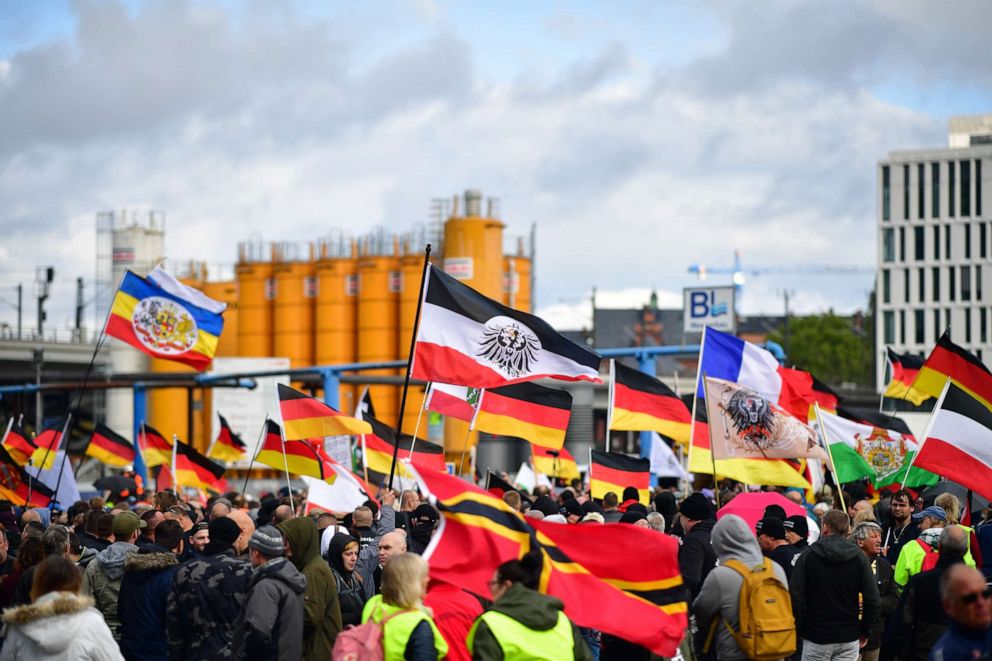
342	554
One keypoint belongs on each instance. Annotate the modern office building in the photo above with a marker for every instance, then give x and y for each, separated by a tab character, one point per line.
935	244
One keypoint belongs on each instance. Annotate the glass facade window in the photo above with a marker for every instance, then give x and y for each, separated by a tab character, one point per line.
978	187
886	286
965	188
967	241
902	244
921	289
935	293
951	283
886	194
888	245
983	325
947	241
919	327
889	326
965	283
919	243
967	325
921	205
936	326
950	188
978	282
902	327
983	243
905	285
905	192
935	190
936	242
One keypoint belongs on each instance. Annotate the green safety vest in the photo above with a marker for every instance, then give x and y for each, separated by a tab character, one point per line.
396	632
521	642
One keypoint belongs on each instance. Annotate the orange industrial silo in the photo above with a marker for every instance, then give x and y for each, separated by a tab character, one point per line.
378	317
256	292
517	269
473	254
411	273
336	310
226	292
296	295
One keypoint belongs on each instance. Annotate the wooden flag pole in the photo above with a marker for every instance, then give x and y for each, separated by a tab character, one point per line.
416	427
285	462
926	432
409	362
251	462
830	454
716	482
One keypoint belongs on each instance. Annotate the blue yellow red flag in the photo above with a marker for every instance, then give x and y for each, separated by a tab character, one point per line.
166	319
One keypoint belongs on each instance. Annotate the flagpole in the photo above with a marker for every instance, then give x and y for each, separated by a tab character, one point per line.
175	475
885	372
716	482
609	411
695	400
471	427
285	462
211	446
926	432
365	462
409	362
830	454
416	428
10	425
258	444
461	464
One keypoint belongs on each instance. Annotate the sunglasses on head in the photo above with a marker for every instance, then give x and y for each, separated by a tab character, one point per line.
971	598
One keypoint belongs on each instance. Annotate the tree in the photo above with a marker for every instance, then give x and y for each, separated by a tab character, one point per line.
836	349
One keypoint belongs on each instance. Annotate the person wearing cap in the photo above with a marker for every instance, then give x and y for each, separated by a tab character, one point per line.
922	553
206	597
102	579
571	510
696	555
271	624
797	531
774	545
421	524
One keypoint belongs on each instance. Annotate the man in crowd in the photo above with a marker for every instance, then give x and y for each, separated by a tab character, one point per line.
207	597
696	555
771	539
247	527
361	526
421	528
199	538
919	554
921	620
221	507
901	527
834	594
868	537
968	602
384	544
102	579
797	531
611	505
144	592
151	518
270	626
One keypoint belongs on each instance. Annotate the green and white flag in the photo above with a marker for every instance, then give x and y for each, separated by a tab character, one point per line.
862	450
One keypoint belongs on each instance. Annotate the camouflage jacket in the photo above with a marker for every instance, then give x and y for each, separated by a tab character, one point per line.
206	598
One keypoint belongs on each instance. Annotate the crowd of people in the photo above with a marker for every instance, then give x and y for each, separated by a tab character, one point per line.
895	576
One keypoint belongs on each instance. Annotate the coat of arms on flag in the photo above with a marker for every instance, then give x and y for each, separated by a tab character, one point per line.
883	452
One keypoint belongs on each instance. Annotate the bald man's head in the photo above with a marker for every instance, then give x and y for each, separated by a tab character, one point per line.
247	527
392	543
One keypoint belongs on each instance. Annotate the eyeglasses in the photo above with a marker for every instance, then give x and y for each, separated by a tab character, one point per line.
971	598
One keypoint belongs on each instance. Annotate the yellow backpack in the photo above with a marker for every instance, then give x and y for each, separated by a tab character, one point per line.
767	627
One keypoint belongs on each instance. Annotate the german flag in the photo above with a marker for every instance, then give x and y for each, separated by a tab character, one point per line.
155	448
195	470
497	486
905	368
47	446
526	410
306	417
554	463
964	369
611	471
640	402
17	443
109	447
779	472
228	446
301	458
641	602
20	488
378	453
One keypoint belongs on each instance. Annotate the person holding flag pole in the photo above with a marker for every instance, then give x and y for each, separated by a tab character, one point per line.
833	466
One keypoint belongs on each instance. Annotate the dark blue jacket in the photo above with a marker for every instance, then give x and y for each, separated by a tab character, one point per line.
959	642
141	603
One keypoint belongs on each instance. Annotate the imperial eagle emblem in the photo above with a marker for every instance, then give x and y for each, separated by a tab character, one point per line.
509	345
752	418
164	326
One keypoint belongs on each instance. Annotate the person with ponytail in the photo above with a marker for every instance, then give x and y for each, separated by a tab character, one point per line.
523	623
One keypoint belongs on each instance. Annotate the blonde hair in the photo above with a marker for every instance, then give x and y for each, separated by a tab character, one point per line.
403	580
864	516
951	505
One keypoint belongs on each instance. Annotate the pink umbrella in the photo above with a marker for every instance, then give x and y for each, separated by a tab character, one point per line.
751	506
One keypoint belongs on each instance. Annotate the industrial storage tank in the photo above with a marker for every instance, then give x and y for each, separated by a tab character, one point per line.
517	271
336	310
227	292
378	316
473	254
295	278
256	293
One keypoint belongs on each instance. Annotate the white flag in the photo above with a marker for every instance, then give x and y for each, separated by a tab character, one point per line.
664	462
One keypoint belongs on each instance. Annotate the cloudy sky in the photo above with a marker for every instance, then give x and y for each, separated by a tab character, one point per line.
640	137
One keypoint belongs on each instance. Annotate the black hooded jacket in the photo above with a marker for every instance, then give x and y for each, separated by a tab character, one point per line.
697	557
825	586
350	594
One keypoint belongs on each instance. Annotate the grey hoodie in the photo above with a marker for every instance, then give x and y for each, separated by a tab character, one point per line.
719	598
271	624
102	580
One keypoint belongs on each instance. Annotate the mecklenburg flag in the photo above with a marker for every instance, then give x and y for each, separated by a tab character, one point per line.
16	485
611	471
155	448
642	602
378	453
554	463
17	443
166	319
297	457
47	446
959	444
470	340
640	402
109	447
779	472
195	470
964	369
306	417
526	410
228	446
453	401
905	368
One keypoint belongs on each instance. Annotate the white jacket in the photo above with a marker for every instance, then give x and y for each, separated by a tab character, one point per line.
59	626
